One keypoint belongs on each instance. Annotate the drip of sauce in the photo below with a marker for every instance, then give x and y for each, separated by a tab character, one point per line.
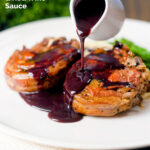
52	101
75	82
87	14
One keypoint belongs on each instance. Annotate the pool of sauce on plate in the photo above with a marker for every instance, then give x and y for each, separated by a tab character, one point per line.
52	101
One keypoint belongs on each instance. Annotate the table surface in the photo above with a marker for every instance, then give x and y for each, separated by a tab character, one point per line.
137	9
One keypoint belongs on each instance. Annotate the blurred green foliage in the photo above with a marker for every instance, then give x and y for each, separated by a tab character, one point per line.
35	11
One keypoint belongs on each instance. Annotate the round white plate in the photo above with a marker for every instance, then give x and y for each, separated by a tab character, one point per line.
127	130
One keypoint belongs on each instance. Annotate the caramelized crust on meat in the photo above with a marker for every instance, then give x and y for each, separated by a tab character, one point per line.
98	100
42	66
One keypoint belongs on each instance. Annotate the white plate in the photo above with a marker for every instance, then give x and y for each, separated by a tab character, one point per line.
128	130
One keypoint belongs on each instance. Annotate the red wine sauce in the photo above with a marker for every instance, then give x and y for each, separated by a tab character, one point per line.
58	102
87	13
96	66
52	101
44	60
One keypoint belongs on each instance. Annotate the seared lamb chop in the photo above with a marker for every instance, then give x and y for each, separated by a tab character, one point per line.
42	66
116	82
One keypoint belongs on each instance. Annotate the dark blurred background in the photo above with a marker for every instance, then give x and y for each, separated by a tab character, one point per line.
138	9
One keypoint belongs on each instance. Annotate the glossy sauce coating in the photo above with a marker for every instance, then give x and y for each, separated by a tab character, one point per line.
49	59
97	66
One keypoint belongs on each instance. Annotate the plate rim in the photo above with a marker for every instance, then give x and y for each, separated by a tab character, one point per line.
54	143
57	144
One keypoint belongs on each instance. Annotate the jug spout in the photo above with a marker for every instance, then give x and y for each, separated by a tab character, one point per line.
109	22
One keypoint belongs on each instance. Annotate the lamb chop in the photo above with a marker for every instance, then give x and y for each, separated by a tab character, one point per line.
111	82
43	66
